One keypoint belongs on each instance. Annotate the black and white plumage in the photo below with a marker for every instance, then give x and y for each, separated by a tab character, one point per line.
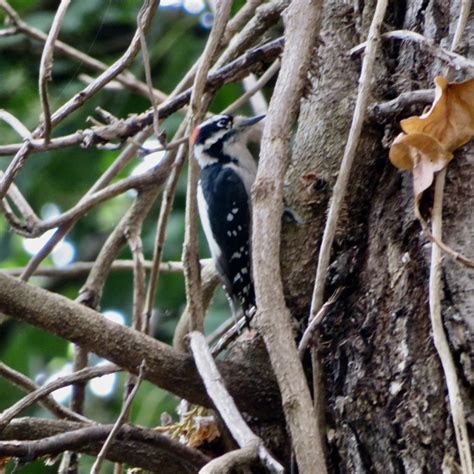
227	174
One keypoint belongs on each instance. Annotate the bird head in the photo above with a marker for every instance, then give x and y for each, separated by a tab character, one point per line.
214	139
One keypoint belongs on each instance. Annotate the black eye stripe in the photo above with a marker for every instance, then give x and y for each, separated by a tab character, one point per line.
209	129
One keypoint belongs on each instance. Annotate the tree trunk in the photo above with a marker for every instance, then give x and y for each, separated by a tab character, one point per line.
387	408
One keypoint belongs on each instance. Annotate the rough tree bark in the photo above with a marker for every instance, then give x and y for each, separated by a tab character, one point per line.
387	408
386	399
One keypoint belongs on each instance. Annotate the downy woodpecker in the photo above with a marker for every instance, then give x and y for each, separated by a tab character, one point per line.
227	173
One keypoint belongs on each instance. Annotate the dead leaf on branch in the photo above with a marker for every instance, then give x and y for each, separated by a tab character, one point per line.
429	140
422	154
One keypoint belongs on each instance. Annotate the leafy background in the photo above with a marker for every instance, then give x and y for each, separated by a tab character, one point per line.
55	181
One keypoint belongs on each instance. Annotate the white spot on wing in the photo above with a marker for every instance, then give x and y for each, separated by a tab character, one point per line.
230	217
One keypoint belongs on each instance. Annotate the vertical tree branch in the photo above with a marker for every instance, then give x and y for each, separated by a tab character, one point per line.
225	403
439	337
46	66
302	22
340	187
198	106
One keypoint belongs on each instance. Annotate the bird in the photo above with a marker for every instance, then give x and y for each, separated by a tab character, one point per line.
227	172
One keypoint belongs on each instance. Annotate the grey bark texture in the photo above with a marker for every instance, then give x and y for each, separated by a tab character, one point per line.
387	408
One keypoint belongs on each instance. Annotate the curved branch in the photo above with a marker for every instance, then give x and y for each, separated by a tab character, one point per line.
167	368
249	62
145	448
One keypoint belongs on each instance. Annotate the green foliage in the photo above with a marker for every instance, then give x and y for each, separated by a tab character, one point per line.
102	30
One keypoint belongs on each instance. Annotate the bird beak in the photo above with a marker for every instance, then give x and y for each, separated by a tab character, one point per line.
243	123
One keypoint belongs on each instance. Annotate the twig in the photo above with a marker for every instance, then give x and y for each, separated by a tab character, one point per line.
439	336
232	72
15	165
232	460
14	123
316	321
118	424
134	445
405	99
29	216
245	14
455	60
46	389
209	282
167	201
461	25
340	187
156	175
147	12
46	65
225	403
126	79
231	333
257	86
146	65
456	256
49	403
302	24
105	178
198	106
265	16
77	269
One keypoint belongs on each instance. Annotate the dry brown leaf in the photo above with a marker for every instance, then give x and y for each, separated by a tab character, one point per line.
451	117
421	153
427	144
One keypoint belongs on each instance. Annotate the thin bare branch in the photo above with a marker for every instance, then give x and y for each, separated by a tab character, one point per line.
149	81
127	79
198	106
46	66
439	336
232	72
456	256
209	282
231	460
147	12
453	59
224	402
257	86
83	375
461	25
14	123
136	446
27	385
405	99
118	424
340	187
15	165
315	322
167	201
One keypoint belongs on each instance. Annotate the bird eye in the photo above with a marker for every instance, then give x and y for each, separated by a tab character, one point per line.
223	123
